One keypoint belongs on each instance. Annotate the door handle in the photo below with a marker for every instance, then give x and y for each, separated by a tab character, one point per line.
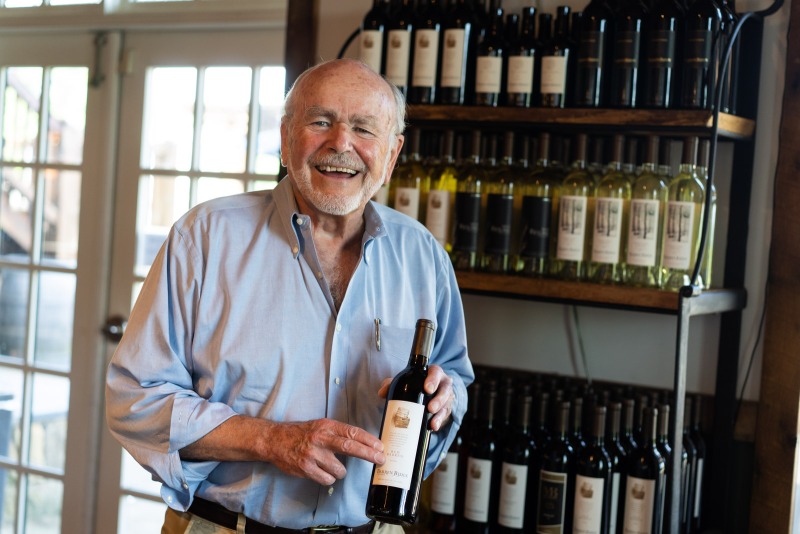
114	328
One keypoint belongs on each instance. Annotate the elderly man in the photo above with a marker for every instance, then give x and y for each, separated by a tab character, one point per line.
250	379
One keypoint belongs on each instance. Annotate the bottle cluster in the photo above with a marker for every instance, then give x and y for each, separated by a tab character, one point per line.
547	454
614	53
540	206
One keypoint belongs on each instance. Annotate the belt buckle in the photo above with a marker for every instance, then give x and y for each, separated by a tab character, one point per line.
328	528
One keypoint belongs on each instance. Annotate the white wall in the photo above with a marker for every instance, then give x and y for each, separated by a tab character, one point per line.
623	346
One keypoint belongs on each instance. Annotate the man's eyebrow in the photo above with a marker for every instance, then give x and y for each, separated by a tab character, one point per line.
357	119
319	111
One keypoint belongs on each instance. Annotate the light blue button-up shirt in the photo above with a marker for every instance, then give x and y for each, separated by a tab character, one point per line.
235	317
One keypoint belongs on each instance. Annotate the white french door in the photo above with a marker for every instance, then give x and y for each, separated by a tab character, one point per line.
56	165
199	119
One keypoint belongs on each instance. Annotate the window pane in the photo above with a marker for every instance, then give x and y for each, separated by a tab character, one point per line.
135	478
54	322
226	111
11	389
209	188
43	515
262	185
21	104
270	104
67	121
62	198
168	129
73	2
13	311
48	436
140	515
22	3
16	213
8	504
162	200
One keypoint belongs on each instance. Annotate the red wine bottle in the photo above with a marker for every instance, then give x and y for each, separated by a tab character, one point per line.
556	479
645	483
444	488
489	61
593	483
521	67
425	55
627	433
457	38
482	474
398	45
663	31
373	33
627	55
591	70
700	444
393	495
618	458
556	61
688	480
700	55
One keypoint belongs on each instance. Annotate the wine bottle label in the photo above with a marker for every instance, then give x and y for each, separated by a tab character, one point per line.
454	58
513	487
499	210
443	490
477	491
554	74
426	56
571	228
398	51
488	74
698	488
381	196
587	515
640	499
468	209
520	75
400	436
698	49
661	54
437	217
552	502
536	213
678	234
607	230
371	49
406	200
612	516
592	46
643	232
627	48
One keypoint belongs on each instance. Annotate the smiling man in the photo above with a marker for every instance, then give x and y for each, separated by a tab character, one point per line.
250	378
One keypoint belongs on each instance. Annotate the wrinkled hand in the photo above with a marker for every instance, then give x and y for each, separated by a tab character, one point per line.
308	449
438	383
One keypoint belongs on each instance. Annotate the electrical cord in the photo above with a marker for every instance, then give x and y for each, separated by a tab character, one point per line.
348	42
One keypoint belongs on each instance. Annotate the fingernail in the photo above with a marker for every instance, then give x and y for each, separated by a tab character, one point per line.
380	458
379	445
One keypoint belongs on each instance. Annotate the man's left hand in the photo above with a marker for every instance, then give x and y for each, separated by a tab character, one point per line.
438	384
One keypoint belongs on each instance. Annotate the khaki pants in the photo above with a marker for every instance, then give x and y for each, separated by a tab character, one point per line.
186	523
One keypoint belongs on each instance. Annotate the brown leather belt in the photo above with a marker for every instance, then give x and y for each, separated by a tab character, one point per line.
216	513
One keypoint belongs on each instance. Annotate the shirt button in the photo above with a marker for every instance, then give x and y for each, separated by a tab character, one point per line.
338	327
185	486
337	380
299	221
295	250
169	498
319	274
330	491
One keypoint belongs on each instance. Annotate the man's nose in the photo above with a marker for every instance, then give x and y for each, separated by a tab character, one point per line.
341	138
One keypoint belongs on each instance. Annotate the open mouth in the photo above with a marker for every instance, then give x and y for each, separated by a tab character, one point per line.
336	172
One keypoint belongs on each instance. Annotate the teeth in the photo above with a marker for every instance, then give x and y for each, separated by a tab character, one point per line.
328	168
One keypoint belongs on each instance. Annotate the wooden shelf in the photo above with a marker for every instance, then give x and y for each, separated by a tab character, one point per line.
598	295
640	121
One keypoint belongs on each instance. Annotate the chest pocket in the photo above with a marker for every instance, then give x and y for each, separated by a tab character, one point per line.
392	358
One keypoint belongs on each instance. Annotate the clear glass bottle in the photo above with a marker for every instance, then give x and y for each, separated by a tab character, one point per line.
442	194
702	173
575	210
685	202
468	216
645	224
412	181
612	201
498	230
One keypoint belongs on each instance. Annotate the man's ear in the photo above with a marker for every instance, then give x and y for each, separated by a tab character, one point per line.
395	154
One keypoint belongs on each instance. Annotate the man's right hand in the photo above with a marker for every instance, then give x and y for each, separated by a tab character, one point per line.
306	449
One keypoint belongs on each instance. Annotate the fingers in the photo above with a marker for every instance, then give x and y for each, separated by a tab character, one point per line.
441	405
384	389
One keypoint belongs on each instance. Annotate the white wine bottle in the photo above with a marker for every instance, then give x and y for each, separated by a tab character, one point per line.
702	174
648	198
500	212
612	199
412	182
442	194
682	225
405	432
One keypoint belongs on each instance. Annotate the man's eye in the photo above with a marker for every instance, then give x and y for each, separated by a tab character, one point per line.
362	130
321	123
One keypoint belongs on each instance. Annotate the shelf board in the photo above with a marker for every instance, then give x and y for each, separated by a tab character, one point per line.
643	120
597	295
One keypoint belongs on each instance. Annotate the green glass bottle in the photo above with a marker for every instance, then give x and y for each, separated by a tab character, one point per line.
500	188
612	201
685	199
442	194
702	174
537	198
412	181
575	209
645	224
468	216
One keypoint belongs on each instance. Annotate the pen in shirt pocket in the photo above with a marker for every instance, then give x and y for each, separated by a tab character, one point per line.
378	334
